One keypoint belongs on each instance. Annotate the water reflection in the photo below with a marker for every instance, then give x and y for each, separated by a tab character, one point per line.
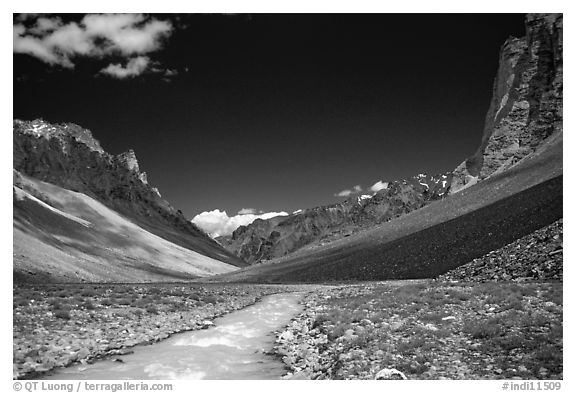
230	350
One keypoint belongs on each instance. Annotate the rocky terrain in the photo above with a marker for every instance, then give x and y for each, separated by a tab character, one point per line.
526	108
59	324
499	316
538	256
68	156
268	239
427	330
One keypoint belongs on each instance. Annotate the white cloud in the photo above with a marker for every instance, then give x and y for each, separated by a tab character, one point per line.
126	33
218	223
247	210
45	25
379	185
34	47
101	35
346	193
134	67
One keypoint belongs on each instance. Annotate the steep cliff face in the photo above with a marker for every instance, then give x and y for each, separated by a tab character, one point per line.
68	156
526	107
267	239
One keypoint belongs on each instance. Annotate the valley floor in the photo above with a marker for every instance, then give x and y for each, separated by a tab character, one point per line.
500	316
56	325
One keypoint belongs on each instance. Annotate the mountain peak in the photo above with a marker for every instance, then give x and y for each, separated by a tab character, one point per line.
42	129
128	159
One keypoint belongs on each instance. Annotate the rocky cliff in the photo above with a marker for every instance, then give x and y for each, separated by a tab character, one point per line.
68	156
267	239
526	107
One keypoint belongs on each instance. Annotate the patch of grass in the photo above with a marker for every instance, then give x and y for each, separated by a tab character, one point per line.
210	299
151	309
411	343
483	329
88	305
62	314
141	303
514	341
338	331
319	320
194	296
89	292
548	356
65	293
154	291
21	302
124	301
433	317
58	304
458	296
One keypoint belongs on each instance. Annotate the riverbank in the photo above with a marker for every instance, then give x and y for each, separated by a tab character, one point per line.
428	330
57	325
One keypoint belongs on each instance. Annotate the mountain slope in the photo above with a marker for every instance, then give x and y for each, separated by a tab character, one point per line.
62	235
83	214
435	238
273	238
68	156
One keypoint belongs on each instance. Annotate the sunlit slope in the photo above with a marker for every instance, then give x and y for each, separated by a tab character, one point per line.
62	235
438	237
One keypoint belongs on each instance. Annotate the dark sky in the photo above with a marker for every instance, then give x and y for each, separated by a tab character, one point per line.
280	112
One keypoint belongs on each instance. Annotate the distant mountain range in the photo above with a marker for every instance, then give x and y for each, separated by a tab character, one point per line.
83	214
276	237
524	117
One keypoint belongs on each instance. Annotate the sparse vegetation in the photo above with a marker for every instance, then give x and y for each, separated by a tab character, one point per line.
62	314
434	329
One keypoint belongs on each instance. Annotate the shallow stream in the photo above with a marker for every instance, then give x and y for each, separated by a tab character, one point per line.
231	349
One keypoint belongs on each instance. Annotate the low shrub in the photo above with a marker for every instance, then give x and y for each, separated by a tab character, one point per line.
210	299
487	329
62	314
151	309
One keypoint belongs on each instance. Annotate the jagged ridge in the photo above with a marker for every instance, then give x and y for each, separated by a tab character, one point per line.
69	156
268	239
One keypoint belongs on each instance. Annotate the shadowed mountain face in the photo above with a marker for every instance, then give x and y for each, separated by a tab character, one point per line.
523	129
55	160
276	237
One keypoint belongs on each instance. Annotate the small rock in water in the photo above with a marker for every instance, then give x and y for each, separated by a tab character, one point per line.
206	324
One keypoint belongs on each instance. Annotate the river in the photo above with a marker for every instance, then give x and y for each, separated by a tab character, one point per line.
231	349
